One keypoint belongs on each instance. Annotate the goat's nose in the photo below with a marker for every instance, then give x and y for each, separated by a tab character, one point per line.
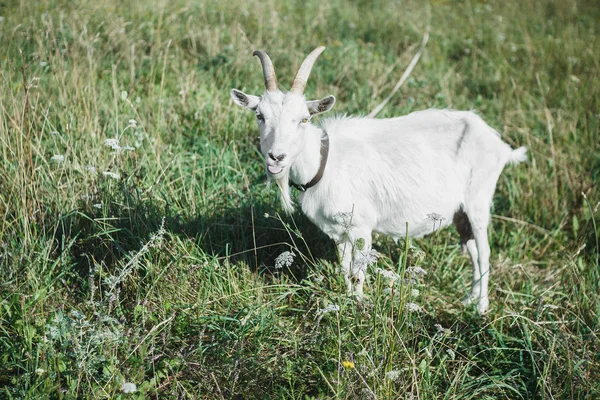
279	157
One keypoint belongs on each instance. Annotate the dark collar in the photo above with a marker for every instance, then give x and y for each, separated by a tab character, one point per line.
319	175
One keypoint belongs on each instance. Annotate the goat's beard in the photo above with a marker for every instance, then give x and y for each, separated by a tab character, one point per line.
282	181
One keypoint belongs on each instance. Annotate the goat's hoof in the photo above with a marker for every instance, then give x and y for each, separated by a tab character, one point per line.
467	300
482	305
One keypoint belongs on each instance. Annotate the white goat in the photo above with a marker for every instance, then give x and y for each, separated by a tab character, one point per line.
359	175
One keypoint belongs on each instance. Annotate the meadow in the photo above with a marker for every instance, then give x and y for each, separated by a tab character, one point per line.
140	243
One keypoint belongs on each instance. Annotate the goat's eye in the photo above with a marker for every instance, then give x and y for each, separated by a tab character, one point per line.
304	120
260	118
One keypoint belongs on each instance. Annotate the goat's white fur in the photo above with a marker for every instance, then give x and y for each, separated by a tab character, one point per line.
384	174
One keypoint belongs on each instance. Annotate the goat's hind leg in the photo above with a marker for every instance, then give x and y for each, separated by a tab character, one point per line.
479	218
467	242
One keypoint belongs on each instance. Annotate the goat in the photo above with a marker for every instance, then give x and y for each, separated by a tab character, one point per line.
357	175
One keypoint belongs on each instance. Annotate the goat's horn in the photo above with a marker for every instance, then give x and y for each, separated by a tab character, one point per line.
304	71
268	70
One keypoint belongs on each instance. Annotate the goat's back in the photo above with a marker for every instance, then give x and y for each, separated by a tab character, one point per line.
392	171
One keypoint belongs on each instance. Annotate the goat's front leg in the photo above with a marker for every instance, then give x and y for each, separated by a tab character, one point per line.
345	256
353	253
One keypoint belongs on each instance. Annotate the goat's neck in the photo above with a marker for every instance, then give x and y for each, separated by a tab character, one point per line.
307	163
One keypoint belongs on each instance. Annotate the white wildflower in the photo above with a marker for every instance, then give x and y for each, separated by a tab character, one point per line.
40	371
128	387
127	148
392	375
43	63
97	205
58	158
285	259
53	332
435	217
54	133
451	354
413	308
133	122
124	95
367	258
91	169
329	309
344	215
414	292
77	314
442	330
427	352
266	215
419	255
415	272
112	143
111	174
387	274
346	219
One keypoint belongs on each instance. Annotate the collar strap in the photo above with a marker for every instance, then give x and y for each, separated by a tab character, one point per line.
319	175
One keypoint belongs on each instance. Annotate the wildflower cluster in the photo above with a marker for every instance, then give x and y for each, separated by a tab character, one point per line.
115	145
436	218
366	259
413	308
393	375
112	175
128	387
441	330
285	259
329	309
389	275
82	341
346	219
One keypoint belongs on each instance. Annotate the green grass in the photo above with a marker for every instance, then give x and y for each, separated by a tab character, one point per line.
165	277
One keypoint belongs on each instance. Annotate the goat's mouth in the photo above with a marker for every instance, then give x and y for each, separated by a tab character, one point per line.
274	169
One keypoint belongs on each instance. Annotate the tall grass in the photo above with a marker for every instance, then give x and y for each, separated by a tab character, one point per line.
151	258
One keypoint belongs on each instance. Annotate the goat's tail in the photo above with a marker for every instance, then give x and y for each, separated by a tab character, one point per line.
518	155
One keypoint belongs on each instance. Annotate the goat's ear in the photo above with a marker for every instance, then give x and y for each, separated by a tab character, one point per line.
244	100
320	106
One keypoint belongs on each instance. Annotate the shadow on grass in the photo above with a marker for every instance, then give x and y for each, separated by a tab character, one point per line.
118	222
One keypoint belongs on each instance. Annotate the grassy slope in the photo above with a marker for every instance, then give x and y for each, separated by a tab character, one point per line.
94	293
